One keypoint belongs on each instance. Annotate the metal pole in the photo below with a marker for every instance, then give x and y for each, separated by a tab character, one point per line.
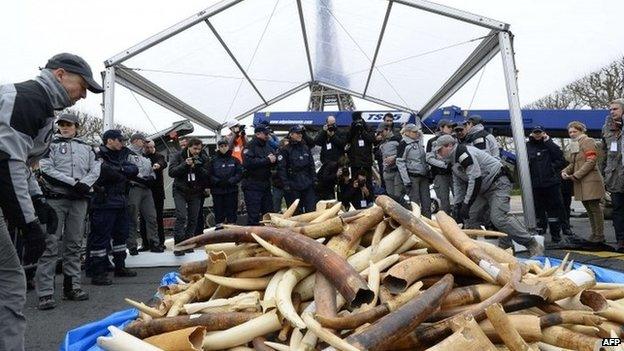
109	99
517	128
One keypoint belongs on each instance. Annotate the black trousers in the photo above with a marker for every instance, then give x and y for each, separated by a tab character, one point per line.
567	190
307	199
159	203
548	209
225	206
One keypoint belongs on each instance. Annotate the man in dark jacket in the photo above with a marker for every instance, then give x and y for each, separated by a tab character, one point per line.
360	143
158	191
545	161
327	178
188	168
331	141
614	168
109	205
225	174
258	159
295	168
358	193
26	120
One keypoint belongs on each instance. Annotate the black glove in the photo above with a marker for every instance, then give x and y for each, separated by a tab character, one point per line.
46	214
464	213
81	188
34	242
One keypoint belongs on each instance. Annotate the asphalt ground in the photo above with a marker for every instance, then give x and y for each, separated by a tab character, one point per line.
46	329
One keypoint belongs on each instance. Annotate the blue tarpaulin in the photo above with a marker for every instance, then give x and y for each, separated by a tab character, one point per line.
84	338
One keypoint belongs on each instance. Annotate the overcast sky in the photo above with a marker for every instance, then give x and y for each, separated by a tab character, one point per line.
555	42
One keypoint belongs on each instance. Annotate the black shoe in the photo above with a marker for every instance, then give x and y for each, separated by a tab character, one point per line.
124	272
133	252
46	303
189	250
157	249
143	249
162	247
178	253
75	295
101	280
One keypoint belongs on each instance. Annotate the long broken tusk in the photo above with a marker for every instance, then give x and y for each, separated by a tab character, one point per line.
505	329
404	273
326	335
268	300
151	311
243	333
122	341
283	295
327	214
274	250
239	283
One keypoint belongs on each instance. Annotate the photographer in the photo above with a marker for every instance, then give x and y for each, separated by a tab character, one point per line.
295	168
188	168
237	140
331	141
360	146
358	192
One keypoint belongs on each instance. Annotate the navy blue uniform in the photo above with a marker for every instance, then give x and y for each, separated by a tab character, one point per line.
257	179
109	217
296	170
225	174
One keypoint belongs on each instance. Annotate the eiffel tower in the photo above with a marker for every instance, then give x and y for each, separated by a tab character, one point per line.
321	96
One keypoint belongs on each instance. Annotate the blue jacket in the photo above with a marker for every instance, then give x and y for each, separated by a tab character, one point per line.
257	165
295	167
225	173
111	188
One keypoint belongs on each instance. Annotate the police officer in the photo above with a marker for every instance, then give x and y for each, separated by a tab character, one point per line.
614	169
412	165
441	171
476	135
477	174
296	170
545	163
188	169
158	191
225	174
388	149
258	159
69	170
26	120
109	204
140	200
331	141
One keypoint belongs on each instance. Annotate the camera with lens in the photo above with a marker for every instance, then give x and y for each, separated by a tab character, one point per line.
197	161
331	128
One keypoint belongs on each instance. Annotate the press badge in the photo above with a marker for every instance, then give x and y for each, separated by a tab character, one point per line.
613	146
191	177
363	203
63	148
328	146
361	143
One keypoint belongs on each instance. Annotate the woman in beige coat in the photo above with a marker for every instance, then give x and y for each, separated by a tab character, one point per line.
588	183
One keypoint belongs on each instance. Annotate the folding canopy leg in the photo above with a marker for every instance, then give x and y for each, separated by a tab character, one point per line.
109	98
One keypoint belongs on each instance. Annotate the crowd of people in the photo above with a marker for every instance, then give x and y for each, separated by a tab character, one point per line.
119	185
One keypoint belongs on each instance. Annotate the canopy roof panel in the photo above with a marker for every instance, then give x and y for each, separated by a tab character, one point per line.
238	56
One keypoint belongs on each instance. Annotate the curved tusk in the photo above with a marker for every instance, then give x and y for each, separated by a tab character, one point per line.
611	294
466	336
406	272
150	311
470	294
277	346
239	283
528	326
243	333
283	295
237	303
122	341
295	338
382	264
291	209
274	250
308	343
570	317
326	335
327	214
329	227
268	301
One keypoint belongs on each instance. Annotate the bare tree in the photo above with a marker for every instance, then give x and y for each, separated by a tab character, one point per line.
595	90
91	127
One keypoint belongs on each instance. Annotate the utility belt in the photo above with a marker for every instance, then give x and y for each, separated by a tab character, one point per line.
503	172
52	195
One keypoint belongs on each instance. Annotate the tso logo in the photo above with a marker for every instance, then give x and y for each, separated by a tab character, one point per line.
378	116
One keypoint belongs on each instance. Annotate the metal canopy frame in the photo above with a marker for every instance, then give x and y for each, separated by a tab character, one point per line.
499	40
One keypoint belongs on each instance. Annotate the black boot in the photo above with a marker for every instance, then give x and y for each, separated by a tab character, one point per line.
124	272
101	279
69	293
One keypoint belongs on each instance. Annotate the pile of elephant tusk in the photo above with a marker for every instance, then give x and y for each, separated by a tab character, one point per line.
383	278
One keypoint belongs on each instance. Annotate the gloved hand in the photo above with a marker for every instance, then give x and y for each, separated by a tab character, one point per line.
81	188
464	213
46	214
34	242
129	169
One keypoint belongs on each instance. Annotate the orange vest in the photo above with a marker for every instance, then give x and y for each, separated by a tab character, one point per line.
237	148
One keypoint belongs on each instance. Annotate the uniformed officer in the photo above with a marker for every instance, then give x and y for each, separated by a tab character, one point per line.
441	171
140	200
411	162
225	173
478	175
388	148
109	204
258	159
26	121
297	172
476	135
69	171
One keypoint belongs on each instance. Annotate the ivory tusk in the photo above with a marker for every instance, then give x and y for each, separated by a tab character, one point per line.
586	300
611	294
505	329
239	283
326	335
283	295
150	311
237	303
614	313
560	287
295	338
481	232
466	336
528	326
308	343
243	333
377	235
187	339
259	345
291	209
277	346
382	264
329	227
469	294
548	347
420	229
268	300
274	250
248	263
570	317
373	283
122	341
607	286
563	337
327	214
404	273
